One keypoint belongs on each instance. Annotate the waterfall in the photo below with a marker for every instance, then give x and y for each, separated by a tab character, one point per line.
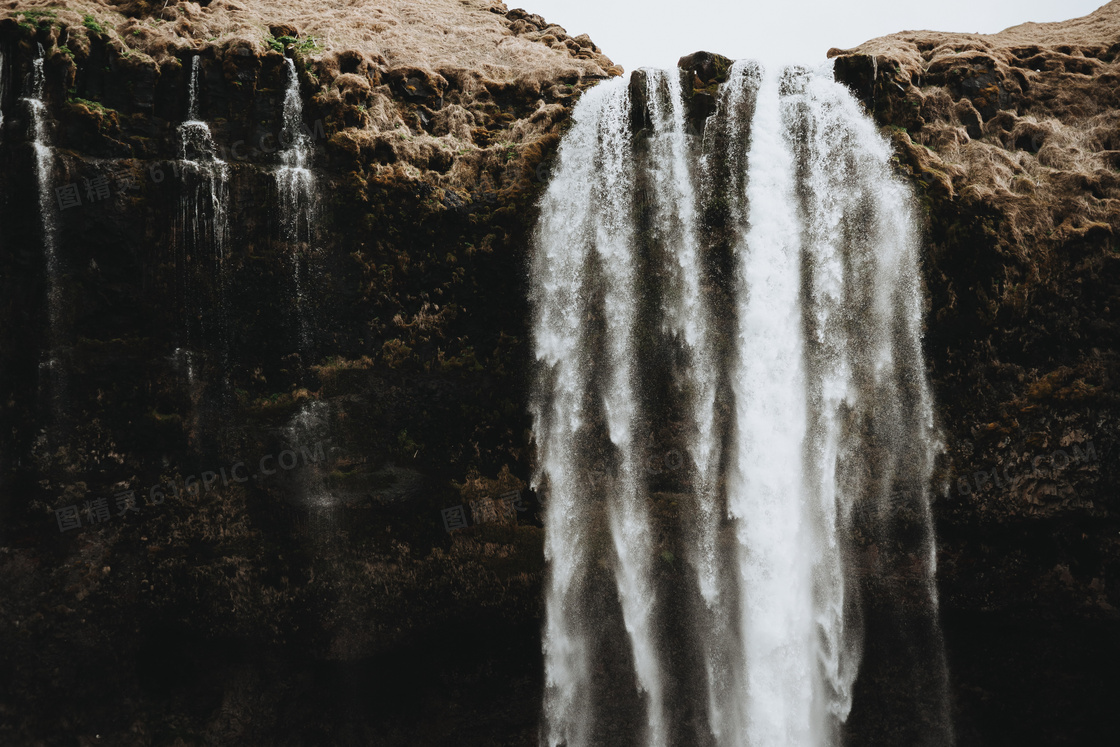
798	390
686	316
204	225
570	222
39	135
3	92
766	496
308	427
295	184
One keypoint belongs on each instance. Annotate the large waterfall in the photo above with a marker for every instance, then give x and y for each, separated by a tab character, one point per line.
754	293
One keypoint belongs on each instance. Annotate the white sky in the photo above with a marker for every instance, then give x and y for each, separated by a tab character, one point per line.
655	33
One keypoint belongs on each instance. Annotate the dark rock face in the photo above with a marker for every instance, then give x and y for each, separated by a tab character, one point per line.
707	67
1007	140
218	602
705	71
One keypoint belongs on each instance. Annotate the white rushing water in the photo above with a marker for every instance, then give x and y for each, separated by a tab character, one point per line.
294	179
687	319
206	179
569	226
3	92
827	406
203	220
295	183
39	135
765	488
308	429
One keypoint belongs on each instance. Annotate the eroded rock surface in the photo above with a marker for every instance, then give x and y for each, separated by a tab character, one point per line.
392	343
1010	140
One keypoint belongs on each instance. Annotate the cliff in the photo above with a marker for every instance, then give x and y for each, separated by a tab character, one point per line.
386	351
385	346
1011	143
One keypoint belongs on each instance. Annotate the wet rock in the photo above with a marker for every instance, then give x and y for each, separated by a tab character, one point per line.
858	72
418	86
708	68
639	104
970	118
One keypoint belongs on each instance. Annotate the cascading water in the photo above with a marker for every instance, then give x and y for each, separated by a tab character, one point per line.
296	186
3	92
204	225
39	135
591	163
802	413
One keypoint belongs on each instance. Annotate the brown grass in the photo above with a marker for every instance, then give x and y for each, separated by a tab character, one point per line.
425	33
1047	159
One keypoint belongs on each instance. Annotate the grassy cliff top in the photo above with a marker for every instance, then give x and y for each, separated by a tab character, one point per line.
1101	28
480	35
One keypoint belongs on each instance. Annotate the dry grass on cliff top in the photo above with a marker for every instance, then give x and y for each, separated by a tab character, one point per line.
1101	27
422	33
1048	158
466	143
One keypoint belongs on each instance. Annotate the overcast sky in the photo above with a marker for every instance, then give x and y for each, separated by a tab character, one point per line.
655	33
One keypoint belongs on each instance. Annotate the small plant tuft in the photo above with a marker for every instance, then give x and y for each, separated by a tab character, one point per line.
38	13
305	46
92	24
95	106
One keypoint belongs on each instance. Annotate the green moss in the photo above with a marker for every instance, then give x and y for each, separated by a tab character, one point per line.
38	13
159	417
309	45
406	444
30	18
723	67
94	106
305	46
92	24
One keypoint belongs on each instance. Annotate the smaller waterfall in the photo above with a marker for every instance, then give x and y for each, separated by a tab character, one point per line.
295	184
39	135
294	178
308	433
185	364
204	222
195	142
3	90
